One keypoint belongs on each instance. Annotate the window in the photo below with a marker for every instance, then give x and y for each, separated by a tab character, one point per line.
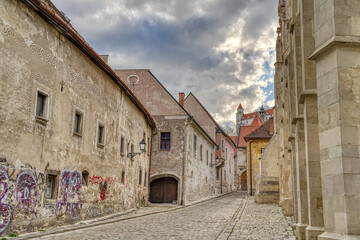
145	178
100	137
207	157
131	148
41	105
85	178
217	173
226	157
225	174
122	177
148	145
201	154
122	143
194	147
140	173
222	145
165	141
50	186
78	119
211	159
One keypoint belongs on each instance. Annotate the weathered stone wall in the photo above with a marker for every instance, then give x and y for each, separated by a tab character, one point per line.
267	187
199	174
87	176
316	82
194	177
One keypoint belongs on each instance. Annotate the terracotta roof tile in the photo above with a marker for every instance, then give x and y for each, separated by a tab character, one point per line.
245	130
253	114
264	131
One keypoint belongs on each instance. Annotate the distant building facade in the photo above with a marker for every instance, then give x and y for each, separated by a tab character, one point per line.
67	125
223	160
181	149
243	119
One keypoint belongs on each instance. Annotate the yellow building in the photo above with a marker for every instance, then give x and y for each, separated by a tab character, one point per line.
256	144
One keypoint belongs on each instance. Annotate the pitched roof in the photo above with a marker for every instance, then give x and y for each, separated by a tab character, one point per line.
234	139
212	119
253	114
240	106
257	122
48	11
265	131
245	130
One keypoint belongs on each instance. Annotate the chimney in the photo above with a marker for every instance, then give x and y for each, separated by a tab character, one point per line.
181	98
105	58
271	125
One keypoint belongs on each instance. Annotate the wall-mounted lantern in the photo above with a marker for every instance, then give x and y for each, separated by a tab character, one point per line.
142	149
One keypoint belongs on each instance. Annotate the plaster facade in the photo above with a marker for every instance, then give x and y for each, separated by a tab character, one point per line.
62	118
185	159
224	172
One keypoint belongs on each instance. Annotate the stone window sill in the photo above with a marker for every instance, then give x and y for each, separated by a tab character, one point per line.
41	120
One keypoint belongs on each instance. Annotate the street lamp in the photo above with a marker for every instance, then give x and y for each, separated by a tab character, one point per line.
217	160
142	149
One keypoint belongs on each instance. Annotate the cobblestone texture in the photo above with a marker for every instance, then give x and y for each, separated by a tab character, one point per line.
232	216
262	221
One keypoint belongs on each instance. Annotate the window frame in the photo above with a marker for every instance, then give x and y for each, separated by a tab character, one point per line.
44	116
100	125
194	144
81	124
167	145
122	145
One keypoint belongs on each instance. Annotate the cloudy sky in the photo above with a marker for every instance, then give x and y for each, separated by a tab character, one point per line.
220	50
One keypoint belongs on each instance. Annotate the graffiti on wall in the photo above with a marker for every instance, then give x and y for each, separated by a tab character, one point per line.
103	184
5	210
70	195
26	192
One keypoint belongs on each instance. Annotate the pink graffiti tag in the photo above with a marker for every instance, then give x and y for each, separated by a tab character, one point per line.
27	192
5	210
70	185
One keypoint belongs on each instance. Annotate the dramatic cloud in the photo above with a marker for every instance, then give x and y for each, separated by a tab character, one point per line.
222	51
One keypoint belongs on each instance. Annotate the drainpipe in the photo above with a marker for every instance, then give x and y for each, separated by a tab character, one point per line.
221	170
151	141
183	166
251	193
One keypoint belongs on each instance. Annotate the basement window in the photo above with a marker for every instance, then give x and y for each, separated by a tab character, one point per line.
50	186
122	177
85	178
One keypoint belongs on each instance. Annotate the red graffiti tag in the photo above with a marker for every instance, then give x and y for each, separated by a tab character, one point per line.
97	180
103	183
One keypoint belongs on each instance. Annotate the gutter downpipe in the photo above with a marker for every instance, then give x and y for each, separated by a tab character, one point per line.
151	139
251	193
183	166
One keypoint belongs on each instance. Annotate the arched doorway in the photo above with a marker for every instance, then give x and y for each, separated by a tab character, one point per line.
163	190
243	181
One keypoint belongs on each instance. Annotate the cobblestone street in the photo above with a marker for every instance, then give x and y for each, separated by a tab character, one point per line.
233	216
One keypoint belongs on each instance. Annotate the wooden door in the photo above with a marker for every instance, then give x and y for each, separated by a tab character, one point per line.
163	190
243	181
